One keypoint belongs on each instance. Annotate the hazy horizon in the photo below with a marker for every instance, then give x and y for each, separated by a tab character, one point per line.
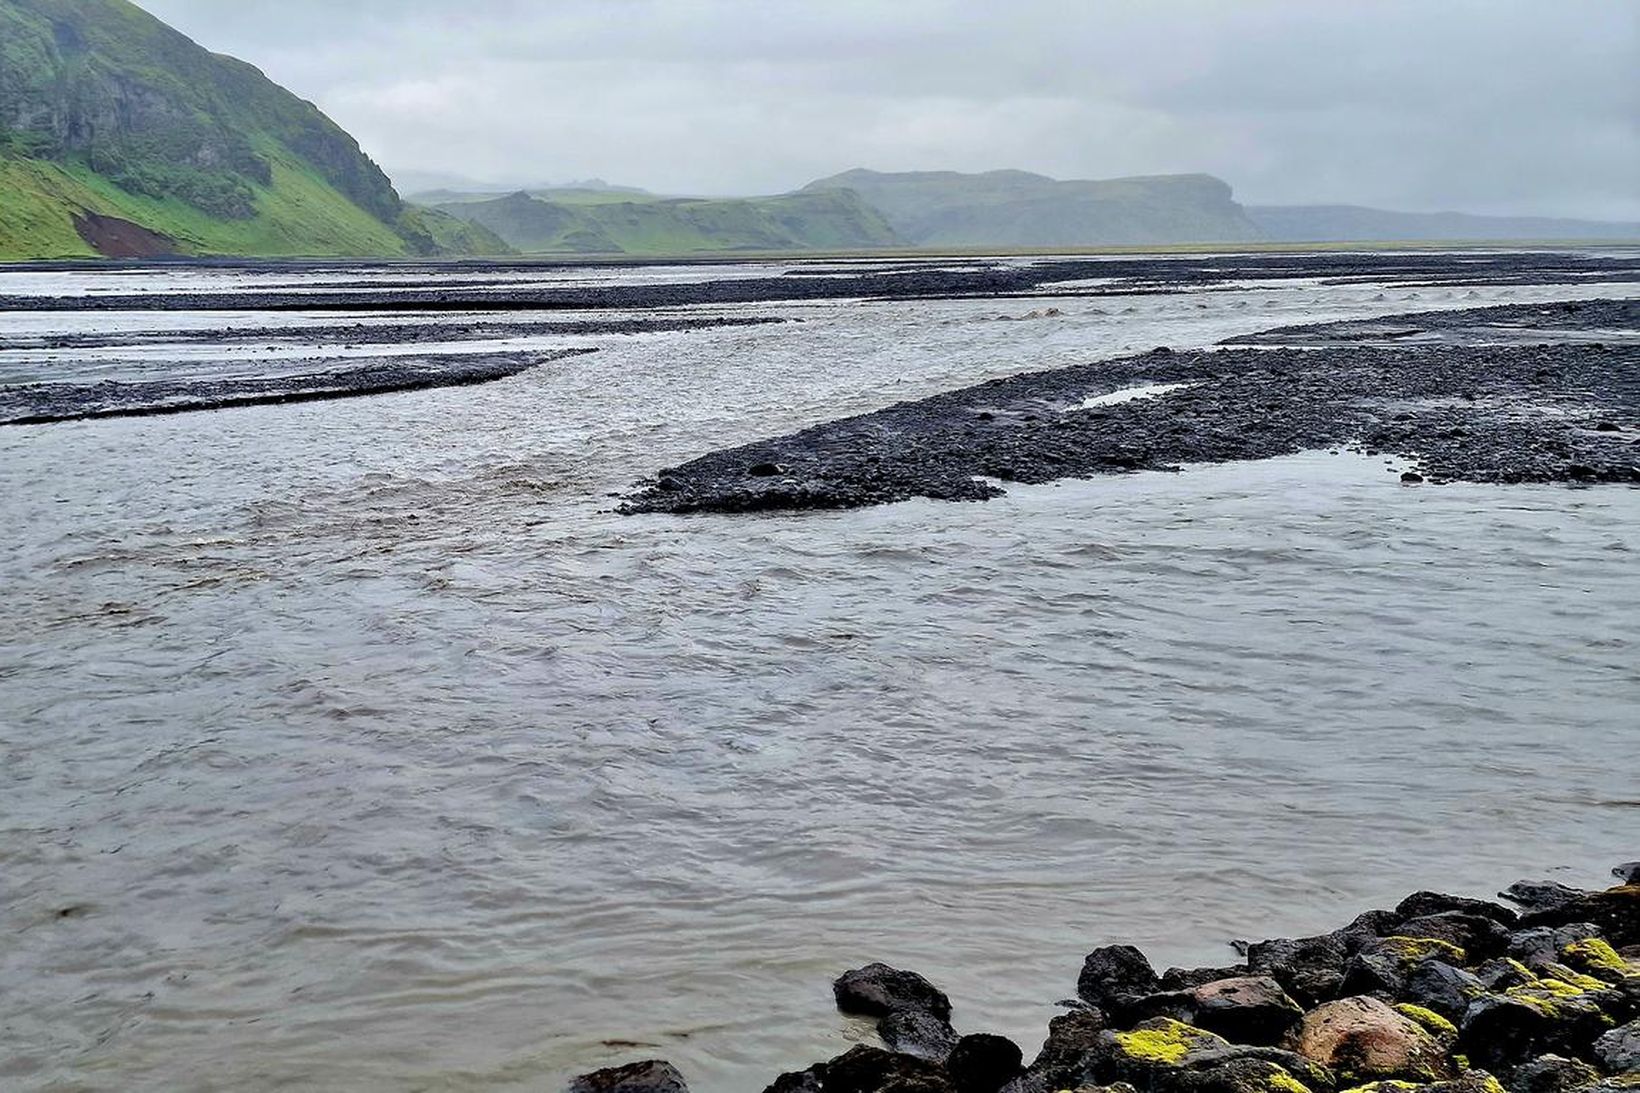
1507	108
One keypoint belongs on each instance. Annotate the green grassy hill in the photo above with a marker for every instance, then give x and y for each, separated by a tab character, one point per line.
605	222
120	136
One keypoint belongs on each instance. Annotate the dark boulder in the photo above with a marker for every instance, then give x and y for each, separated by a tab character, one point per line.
1311	969
878	990
650	1076
1501	1031
1115	975
873	1070
1183	979
1382	966
1480	936
1615	912
1160	1053
1619	1050
1062	1059
1552	1074
1540	895
984	1063
1364	1039
1441	988
812	1080
919	1033
1537	945
1592	956
1249	1009
1420	904
1501	973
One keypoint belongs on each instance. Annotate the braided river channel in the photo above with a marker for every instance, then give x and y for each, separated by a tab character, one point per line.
362	744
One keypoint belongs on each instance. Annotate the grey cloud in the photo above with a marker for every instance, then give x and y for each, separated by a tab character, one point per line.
1508	106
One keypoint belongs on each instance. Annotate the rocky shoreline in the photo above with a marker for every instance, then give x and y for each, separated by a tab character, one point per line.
1441	994
1458	393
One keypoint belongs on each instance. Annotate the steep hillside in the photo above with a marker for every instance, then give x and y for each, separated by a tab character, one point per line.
606	222
1016	208
1355	223
120	136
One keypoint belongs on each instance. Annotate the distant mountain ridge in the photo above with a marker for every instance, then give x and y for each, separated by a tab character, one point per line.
617	221
1017	208
1359	224
119	135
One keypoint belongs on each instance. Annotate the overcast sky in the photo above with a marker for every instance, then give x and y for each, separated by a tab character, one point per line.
1500	106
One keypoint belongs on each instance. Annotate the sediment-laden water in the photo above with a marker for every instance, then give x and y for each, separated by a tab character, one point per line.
359	744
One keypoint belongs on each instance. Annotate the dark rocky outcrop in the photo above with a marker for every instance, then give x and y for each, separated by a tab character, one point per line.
1116	976
650	1076
983	1063
878	990
1536	1007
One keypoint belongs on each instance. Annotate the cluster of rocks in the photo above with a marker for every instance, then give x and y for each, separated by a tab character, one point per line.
1553	412
1442	994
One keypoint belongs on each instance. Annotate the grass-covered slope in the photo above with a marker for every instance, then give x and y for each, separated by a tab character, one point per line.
119	135
603	223
1017	208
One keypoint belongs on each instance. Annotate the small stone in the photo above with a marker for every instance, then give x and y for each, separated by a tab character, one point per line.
765	470
1411	477
649	1076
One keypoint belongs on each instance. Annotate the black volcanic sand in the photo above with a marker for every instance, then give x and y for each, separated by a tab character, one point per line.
961	279
39	403
374	333
1473	412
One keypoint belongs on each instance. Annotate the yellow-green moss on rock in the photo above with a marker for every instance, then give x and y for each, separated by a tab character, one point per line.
1166	1041
1432	1022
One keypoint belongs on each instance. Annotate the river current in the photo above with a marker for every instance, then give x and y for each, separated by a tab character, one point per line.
360	745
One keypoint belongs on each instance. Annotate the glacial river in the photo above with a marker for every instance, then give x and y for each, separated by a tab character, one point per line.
360	745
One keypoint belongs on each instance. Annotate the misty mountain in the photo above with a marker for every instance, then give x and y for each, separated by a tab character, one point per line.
118	135
1020	209
1354	223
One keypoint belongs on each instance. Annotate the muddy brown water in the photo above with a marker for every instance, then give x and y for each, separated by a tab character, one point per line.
358	745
